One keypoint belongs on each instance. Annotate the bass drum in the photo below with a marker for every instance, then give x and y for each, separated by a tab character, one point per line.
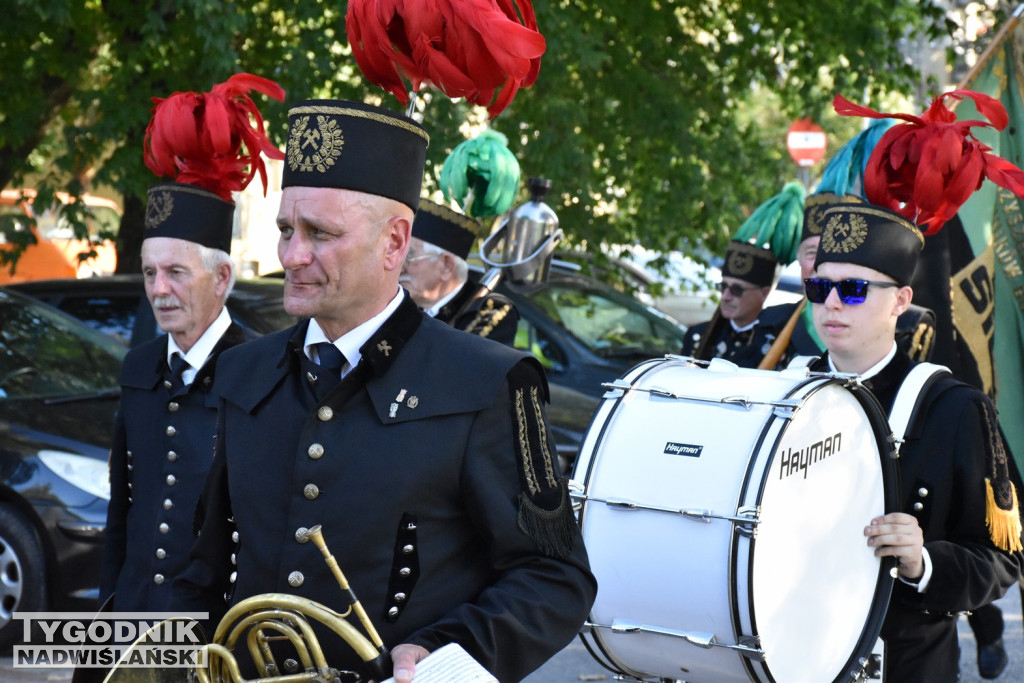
723	511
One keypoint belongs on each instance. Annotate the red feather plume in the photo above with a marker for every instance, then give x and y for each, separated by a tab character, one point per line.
212	140
483	50
926	168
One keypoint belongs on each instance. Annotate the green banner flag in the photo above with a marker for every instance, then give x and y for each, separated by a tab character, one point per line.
988	292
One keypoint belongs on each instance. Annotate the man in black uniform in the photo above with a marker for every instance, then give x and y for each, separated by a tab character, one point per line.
429	462
436	275
163	442
734	332
954	477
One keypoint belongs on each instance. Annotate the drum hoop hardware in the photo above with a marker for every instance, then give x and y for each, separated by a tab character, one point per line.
617	388
747	515
748	646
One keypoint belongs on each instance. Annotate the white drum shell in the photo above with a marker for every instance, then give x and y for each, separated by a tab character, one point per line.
806	583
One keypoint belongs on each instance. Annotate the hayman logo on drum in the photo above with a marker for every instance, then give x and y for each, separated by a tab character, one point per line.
686	449
802	459
88	640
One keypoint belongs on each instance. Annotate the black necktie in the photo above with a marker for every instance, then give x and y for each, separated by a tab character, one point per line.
178	366
331	359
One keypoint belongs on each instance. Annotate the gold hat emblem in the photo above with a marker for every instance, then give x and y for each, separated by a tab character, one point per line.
740	264
314	149
159	208
842	237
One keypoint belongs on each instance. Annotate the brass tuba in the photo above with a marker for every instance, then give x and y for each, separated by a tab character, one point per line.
263	619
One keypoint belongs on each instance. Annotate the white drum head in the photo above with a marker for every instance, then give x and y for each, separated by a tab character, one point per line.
814	577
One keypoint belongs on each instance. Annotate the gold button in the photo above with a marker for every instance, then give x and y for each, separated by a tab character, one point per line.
316	451
295	579
171	480
171	431
325	413
168	504
302	534
158	579
173	406
172	456
164	527
161	553
311	491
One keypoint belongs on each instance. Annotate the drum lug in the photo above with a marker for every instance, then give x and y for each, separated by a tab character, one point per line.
749	647
616	389
577	494
747	519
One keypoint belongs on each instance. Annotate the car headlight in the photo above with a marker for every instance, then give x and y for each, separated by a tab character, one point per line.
88	474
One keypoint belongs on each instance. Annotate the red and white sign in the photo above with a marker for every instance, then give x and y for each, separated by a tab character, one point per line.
806	142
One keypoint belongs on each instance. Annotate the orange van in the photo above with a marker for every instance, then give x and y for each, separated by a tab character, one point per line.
56	249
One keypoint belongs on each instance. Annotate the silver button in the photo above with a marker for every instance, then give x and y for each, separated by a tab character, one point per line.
404	571
167	385
311	491
161	553
171	480
158	579
234	537
234	560
164	527
393	612
310	377
922	492
407	548
233	577
291	666
173	406
399	597
171	431
172	456
295	579
168	504
130	486
302	534
325	413
918	506
316	451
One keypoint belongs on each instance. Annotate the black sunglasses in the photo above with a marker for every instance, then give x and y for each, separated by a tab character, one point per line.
851	291
734	289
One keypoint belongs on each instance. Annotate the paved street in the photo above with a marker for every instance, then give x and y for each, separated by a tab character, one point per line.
575	664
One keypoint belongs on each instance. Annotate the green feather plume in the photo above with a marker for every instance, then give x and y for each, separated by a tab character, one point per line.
777	223
481	175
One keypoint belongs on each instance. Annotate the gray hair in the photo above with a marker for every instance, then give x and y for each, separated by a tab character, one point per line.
212	259
461	267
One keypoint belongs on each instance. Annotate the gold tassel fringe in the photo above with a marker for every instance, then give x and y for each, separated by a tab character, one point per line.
1004	526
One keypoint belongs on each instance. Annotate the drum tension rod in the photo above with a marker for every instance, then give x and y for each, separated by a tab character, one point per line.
744	516
748	645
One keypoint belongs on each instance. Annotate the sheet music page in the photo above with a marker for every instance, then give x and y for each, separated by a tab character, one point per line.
450	664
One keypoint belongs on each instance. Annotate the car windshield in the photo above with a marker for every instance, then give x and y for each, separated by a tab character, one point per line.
45	354
608	322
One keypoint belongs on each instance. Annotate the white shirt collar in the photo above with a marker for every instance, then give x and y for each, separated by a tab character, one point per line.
201	350
874	369
436	308
353	340
736	328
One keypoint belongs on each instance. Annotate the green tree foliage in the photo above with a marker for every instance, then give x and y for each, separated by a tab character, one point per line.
660	122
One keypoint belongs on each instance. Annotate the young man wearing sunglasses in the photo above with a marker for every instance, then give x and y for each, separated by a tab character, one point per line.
735	332
957	534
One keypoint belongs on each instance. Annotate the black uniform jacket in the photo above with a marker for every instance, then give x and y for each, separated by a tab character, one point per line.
745	349
493	316
431	472
942	469
162	450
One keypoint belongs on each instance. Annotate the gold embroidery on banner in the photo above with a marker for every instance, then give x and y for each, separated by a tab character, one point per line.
524	444
549	470
842	238
359	113
324	142
159	208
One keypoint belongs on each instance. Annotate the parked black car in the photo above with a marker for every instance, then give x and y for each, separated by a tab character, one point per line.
583	331
58	395
117	305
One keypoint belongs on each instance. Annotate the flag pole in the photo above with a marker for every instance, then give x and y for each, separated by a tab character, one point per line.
1004	31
